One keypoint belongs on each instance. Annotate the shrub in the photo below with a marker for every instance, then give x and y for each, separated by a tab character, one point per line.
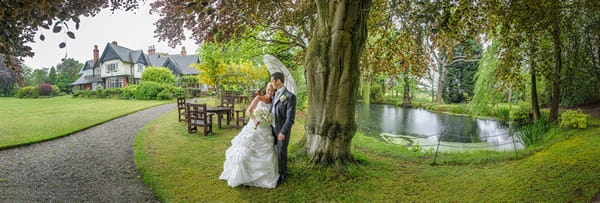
158	75
25	92
55	91
377	93
521	114
45	89
129	92
574	119
149	90
36	92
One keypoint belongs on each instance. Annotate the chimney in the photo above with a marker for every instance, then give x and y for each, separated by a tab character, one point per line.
96	53
114	42
183	53
151	50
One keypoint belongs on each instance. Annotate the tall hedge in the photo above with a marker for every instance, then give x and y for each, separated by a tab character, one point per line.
159	75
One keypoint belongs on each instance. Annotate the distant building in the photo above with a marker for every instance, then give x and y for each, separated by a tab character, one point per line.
120	66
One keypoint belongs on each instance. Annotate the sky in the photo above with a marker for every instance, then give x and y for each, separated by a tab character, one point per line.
131	30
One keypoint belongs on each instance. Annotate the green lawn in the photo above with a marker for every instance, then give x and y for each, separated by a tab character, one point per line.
182	167
24	121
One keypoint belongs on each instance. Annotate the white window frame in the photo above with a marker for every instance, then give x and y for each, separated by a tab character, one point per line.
112	67
114	82
140	67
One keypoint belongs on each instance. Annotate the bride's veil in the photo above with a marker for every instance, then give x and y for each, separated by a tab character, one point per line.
274	65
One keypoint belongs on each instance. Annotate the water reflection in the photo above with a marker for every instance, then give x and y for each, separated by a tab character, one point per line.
425	127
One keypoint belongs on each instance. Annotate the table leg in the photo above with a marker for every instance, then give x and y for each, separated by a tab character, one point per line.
220	116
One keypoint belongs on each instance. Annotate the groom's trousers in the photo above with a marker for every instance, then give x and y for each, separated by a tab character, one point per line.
282	154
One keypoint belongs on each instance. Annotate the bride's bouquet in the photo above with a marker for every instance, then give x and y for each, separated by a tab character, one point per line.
262	116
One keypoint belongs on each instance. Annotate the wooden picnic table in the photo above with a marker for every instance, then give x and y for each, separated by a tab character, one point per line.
220	111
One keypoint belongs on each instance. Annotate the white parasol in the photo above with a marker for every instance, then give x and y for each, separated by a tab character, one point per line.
274	65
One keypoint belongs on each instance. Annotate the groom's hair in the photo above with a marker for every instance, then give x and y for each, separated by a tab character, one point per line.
278	76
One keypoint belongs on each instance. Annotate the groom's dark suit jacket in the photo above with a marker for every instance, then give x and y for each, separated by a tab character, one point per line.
284	113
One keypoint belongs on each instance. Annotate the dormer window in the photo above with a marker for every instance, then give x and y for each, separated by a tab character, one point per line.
111	67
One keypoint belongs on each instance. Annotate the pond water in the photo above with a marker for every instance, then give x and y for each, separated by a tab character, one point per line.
408	126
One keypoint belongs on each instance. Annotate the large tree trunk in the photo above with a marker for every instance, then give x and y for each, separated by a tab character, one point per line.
535	107
442	80
406	97
558	66
332	64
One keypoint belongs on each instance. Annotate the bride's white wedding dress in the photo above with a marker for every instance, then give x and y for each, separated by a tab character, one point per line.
251	159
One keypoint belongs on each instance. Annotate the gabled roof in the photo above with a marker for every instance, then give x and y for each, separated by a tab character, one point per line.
113	51
89	64
156	60
138	56
182	64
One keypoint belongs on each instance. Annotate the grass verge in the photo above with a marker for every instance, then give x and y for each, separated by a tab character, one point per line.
27	121
182	167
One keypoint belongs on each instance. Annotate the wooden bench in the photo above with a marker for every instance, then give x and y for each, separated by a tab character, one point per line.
239	118
181	109
228	102
197	116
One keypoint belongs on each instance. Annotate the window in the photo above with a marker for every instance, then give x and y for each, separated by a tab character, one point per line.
140	68
112	67
115	82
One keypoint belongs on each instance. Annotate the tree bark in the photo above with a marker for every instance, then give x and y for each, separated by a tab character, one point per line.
558	66
440	87
535	107
332	64
406	96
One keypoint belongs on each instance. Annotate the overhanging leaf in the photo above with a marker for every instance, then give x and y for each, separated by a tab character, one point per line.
62	45
75	19
56	28
71	34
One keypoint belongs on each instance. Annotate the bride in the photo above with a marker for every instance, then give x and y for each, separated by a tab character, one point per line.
251	160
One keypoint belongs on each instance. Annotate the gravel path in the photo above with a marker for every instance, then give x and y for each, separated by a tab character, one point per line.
94	165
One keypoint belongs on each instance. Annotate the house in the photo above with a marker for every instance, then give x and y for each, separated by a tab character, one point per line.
119	66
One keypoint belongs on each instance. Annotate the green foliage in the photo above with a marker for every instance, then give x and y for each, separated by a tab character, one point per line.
376	93
158	75
39	76
129	92
25	92
533	134
460	82
52	76
55	91
485	93
35	93
502	113
574	119
153	90
521	113
113	93
301	92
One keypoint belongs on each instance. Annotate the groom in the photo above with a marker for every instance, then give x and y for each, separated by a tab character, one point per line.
284	112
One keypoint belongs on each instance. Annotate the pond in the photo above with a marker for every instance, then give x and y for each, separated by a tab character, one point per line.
408	126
